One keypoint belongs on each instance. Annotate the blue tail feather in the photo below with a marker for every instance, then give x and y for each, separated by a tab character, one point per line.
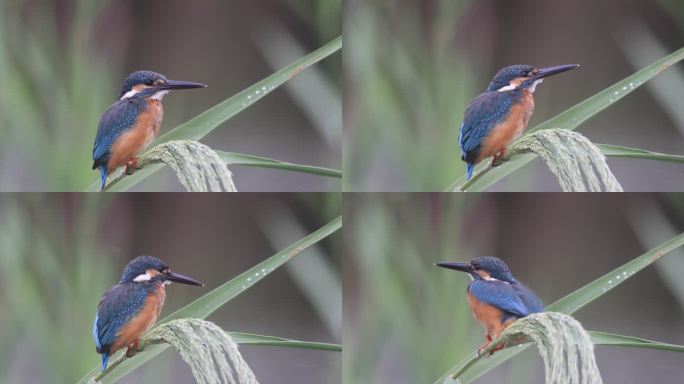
470	167
103	175
105	359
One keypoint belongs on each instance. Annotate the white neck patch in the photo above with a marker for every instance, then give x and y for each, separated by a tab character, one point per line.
159	95
509	87
534	85
142	277
489	278
129	94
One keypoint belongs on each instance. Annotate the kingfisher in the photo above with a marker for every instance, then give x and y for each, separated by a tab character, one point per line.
495	297
500	115
130	308
128	126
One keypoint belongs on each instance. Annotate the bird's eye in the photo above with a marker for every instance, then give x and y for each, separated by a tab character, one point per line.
149	82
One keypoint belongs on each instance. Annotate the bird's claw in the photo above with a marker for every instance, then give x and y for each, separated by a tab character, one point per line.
133	349
481	350
498	159
131	166
130	352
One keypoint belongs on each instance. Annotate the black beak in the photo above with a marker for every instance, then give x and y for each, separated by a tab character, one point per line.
179	84
550	71
178	278
463	267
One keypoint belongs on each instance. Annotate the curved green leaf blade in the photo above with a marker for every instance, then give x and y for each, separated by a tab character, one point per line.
576	115
598	338
207	304
202	124
568	305
252	339
636	153
232	158
603	338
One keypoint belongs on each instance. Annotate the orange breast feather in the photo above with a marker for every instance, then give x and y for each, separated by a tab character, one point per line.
509	129
489	316
131	143
142	322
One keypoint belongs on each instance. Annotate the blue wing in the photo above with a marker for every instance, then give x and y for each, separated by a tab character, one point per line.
531	301
483	114
499	294
116	120
118	306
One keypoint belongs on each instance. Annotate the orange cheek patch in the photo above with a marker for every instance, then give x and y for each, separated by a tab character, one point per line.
517	81
153	272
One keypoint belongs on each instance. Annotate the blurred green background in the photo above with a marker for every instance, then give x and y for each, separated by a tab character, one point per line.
411	68
60	252
62	64
407	321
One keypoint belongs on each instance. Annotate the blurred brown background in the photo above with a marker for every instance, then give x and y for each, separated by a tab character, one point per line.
59	253
407	321
62	64
411	68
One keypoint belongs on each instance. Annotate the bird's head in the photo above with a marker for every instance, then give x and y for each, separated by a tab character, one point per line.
148	268
524	76
152	84
484	268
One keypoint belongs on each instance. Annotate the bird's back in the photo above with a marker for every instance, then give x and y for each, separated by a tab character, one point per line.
117	307
533	303
483	114
513	299
115	121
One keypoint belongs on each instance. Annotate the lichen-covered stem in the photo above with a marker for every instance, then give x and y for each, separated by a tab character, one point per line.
196	166
577	163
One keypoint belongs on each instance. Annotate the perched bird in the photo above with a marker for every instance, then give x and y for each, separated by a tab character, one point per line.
495	297
129	125
130	308
497	117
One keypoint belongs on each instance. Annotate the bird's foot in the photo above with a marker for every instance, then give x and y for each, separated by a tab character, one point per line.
133	349
498	158
131	166
130	352
481	350
498	348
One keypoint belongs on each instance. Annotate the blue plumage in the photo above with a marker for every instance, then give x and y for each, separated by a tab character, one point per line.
506	74
495	297
494	284
118	306
117	120
122	115
501	295
143	276
493	107
484	113
531	301
140	77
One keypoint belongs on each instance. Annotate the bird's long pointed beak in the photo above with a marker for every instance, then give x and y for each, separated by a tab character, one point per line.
550	71
463	267
179	84
178	278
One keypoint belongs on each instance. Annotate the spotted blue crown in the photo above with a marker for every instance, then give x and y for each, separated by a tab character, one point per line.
505	75
140	265
140	77
496	267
